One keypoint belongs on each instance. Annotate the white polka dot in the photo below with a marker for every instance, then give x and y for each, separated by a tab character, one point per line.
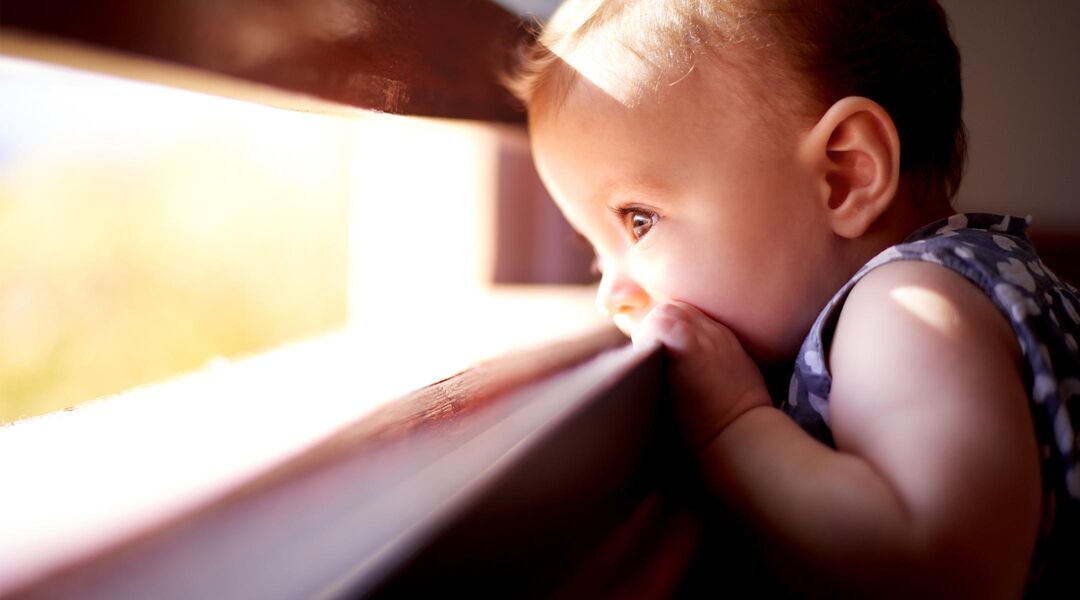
931	258
793	392
955	222
1003	225
1036	268
1072	480
1063	431
812	358
1017	273
820	406
1070	343
964	252
1049	298
1053	317
1005	243
1045	386
1019	305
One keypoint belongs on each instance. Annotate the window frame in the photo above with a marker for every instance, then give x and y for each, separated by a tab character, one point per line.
578	537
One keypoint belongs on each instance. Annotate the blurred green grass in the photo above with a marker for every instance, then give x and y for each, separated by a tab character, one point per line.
149	258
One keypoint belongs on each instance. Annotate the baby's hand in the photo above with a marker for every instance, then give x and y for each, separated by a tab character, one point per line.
713	378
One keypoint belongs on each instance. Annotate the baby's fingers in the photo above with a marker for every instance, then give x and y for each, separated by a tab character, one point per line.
680	327
656	328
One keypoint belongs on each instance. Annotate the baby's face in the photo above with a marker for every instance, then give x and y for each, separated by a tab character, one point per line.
685	199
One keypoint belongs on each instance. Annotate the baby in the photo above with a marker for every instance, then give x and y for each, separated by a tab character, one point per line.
768	181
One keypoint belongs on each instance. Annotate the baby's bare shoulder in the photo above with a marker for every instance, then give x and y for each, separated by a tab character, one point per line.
927	387
913	333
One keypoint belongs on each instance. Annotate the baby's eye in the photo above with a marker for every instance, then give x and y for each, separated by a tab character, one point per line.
640	224
638	221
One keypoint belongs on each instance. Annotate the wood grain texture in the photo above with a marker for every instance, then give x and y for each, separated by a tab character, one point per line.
505	479
416	57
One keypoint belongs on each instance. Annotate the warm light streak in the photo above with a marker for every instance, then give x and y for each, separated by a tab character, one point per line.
421	251
929	307
624	84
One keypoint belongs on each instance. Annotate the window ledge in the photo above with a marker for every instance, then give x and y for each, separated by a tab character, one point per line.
94	476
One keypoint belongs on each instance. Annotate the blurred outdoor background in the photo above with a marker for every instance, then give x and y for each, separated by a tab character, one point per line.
149	232
145	231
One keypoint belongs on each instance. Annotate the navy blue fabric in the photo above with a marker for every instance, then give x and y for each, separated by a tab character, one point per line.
994	253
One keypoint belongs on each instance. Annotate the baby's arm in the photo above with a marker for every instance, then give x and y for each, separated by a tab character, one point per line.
934	486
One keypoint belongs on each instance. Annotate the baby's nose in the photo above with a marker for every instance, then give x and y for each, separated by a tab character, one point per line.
621	297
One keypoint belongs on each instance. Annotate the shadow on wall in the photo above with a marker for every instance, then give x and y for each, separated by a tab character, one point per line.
534	243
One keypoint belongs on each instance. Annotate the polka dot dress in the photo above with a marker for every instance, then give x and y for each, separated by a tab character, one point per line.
994	253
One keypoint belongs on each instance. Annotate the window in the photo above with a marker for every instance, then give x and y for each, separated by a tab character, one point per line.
239	281
149	231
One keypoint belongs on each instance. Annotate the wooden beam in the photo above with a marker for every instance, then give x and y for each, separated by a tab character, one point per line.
415	57
521	477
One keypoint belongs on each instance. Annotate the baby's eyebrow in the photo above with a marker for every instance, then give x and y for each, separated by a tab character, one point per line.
620	189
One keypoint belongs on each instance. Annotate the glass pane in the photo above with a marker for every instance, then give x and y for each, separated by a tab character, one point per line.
145	231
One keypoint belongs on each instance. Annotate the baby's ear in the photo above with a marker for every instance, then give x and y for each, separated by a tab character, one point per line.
856	151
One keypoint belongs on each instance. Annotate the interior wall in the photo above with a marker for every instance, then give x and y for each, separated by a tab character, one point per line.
1022	93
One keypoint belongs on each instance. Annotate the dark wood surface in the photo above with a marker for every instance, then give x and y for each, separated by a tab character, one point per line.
416	57
565	503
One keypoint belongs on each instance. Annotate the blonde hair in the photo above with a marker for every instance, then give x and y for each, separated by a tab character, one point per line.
663	38
800	55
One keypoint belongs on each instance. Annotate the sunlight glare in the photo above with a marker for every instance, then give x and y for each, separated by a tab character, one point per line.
927	306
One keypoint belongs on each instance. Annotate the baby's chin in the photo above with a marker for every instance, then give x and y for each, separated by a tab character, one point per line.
770	350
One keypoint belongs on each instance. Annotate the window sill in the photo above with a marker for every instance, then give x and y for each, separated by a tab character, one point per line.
104	473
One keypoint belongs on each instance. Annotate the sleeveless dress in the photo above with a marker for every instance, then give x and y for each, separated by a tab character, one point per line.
995	254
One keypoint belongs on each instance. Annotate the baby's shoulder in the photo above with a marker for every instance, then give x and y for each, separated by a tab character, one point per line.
960	300
921	358
927	294
907	319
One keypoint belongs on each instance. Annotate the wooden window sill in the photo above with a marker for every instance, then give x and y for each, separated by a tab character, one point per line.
501	477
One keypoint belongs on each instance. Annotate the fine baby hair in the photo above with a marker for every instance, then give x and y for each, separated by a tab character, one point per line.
799	55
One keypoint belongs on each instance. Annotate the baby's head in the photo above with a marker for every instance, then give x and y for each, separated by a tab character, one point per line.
791	57
705	147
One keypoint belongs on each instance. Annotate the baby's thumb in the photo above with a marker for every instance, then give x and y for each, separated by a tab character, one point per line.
645	335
